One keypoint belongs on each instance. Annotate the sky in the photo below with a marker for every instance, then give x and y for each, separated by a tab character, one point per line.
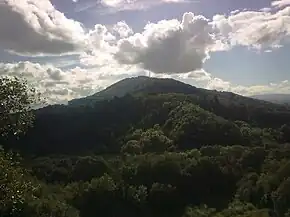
70	49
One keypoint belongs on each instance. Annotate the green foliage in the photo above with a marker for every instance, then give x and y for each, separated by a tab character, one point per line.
192	124
16	98
152	140
153	184
167	150
16	188
132	147
24	196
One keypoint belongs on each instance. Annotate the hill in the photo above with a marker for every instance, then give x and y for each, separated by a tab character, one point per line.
149	85
185	114
274	98
138	85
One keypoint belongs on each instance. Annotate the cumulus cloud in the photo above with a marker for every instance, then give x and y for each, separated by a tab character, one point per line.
172	46
218	84
34	27
213	83
280	3
101	47
169	46
122	29
199	75
256	29
281	87
206	80
58	86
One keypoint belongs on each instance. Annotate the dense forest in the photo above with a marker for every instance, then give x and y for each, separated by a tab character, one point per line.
155	148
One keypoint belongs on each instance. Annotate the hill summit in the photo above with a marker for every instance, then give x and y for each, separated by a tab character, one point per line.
138	85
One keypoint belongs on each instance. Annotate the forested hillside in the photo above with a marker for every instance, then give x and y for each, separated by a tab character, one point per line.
135	85
185	114
175	150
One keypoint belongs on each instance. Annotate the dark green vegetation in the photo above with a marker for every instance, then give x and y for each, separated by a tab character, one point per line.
160	148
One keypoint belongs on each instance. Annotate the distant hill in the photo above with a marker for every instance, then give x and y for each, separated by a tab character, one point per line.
137	85
220	103
274	98
149	85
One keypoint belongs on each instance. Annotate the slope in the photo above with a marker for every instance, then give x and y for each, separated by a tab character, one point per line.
137	85
210	117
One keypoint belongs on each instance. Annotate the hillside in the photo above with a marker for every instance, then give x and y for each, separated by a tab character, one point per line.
111	115
274	98
186	153
149	85
138	85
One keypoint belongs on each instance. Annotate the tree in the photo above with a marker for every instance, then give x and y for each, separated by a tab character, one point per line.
16	189
153	140
16	101
131	147
285	130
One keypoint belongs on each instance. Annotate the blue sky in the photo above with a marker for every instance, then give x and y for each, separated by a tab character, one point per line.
69	49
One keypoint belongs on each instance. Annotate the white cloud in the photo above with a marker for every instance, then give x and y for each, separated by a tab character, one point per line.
169	46
281	87
206	80
266	9
280	3
33	27
172	46
254	29
114	6
102	45
115	3
59	86
199	75
122	29
218	84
